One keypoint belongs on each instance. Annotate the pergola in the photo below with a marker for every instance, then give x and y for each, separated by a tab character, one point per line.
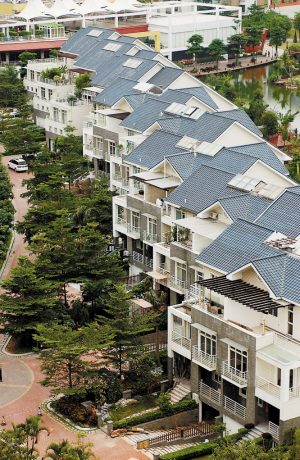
240	291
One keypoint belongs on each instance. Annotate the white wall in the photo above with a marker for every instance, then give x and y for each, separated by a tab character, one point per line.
240	314
236	135
231	425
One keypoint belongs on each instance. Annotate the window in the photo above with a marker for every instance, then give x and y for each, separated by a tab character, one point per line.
208	343
55	114
291	379
50	92
31	89
177	322
273	312
152	226
136	170
180	214
38	106
130	133
278	376
111	147
99	143
135	219
61	131
212	275
181	271
238	359
243	392
50	128
130	146
138	244
121	212
217	377
43	93
260	402
94	33
64	116
199	276
31	75
55	130
290	320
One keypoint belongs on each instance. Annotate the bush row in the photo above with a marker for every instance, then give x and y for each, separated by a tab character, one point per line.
204	448
75	411
181	406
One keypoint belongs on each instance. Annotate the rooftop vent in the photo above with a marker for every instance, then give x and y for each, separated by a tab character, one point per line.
132	63
95	33
112	47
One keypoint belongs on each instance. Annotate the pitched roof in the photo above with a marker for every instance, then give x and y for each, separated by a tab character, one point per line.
262	151
244	206
145	115
184	95
241	243
81	42
201	93
283	215
153	150
165	77
240	116
202	189
113	93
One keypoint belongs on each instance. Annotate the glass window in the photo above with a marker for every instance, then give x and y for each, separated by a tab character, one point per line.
99	143
111	148
55	114
180	214
64	116
43	93
31	75
152	227
136	170
135	219
208	343
50	92
238	359
290	320
181	271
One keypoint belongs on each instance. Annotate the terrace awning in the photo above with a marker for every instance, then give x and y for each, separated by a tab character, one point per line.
242	292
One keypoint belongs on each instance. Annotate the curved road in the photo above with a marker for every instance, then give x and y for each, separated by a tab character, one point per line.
23	376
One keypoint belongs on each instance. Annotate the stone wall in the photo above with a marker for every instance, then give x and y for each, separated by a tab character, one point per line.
151	338
182	419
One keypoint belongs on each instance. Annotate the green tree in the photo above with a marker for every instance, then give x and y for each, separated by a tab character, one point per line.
217	49
256	12
157	299
237	42
253	35
256	107
295	37
285	121
28	299
77	451
269	121
83	81
63	356
12	445
244	451
11	86
195	47
22	141
296	22
277	37
125	327
58	451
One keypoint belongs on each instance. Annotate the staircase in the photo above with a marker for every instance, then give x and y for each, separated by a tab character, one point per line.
179	392
168	449
254	433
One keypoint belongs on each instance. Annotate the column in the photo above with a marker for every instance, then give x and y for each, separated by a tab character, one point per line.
200	411
6	57
218	21
116	21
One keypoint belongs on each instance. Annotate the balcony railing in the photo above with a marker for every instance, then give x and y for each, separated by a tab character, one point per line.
210	393
201	357
122	222
234	407
125	183
98	153
167	237
88	124
268	387
133	230
177	284
150	237
117	152
193	292
118	177
88	146
274	430
166	211
234	374
49	81
294	392
137	257
162	270
148	262
181	340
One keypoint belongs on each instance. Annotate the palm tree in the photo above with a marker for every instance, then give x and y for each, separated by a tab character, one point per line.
36	429
157	299
59	450
31	430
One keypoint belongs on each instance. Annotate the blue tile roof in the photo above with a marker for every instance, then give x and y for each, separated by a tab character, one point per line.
136	99
165	77
240	116
184	95
113	93
245	206
283	215
202	189
153	150
201	93
262	151
81	42
241	243
145	115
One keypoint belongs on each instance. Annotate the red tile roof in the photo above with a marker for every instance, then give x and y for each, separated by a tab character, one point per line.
6	47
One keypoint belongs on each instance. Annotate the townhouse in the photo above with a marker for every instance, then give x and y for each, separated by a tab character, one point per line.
204	205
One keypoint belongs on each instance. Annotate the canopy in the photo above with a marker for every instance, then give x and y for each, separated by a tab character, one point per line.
35	9
120	5
93	6
63	8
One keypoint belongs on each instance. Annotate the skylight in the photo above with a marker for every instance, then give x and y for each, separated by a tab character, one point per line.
187	143
206	148
270	192
185	110
143	87
112	47
132	63
243	182
95	33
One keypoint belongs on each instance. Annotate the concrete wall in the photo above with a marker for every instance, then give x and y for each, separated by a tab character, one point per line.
150	338
182	419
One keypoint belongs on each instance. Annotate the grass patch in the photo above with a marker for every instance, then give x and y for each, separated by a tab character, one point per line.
147	402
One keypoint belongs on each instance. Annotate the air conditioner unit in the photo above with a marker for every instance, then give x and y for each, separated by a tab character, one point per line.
213	215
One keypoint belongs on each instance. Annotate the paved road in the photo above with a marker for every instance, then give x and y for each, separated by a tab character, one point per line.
21	392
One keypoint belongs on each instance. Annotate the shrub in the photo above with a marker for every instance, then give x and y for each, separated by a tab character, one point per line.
249	426
23	33
266	436
2	34
75	411
189	453
12	33
164	403
39	32
245	54
181	406
259	52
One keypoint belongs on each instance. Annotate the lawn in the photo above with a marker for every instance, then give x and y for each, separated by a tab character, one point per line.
146	402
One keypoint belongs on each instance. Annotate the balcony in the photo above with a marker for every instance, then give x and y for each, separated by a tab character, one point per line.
167	238
234	375
122	222
149	237
268	387
117	176
162	270
210	393
181	340
133	230
137	257
88	146
98	153
206	360
294	393
88	124
148	262
119	153
193	292
234	407
177	284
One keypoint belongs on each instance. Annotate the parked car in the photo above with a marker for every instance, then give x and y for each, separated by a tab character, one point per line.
18	164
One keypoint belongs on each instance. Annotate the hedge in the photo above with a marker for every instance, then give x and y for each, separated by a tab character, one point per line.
181	406
204	448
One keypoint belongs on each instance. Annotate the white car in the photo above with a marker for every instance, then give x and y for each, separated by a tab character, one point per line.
18	164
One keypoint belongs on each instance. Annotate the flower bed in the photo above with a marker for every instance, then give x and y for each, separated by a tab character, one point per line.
75	411
181	406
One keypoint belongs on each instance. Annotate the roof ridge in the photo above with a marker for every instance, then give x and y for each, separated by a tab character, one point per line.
255	224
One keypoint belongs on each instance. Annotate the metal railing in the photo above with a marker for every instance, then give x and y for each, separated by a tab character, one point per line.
294	392
137	256
55	60
234	374
117	152
193	292
274	430
204	358
121	221
287	342
133	230
181	340
149	237
117	177
49	81
88	146
234	407
162	270
148	262
177	284
87	124
203	428
98	153
268	387
210	393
